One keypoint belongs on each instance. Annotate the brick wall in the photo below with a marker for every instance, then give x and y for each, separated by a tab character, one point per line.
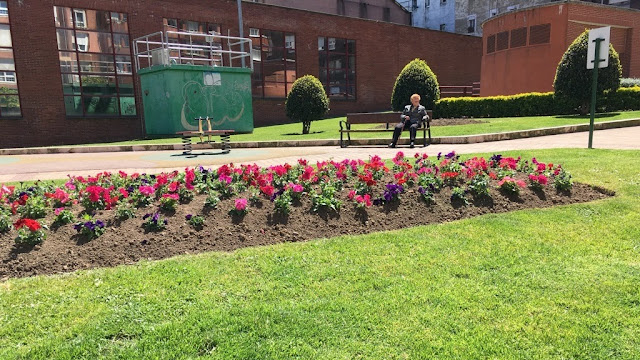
382	50
532	68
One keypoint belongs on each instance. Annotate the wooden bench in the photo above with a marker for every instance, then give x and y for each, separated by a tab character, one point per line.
225	137
390	119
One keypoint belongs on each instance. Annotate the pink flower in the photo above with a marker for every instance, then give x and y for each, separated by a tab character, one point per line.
297	188
171	196
521	183
241	204
125	193
174	186
364	200
225	179
146	190
58	210
352	194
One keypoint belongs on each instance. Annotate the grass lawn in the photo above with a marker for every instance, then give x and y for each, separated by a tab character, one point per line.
552	283
328	128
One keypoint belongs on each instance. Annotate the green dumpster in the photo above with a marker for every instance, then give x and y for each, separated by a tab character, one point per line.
173	95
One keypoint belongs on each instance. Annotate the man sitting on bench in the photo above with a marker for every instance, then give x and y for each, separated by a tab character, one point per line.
411	118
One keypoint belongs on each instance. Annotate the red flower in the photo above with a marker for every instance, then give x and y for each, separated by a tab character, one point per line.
267	190
174	186
33	225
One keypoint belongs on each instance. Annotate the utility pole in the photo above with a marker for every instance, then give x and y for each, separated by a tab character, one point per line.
241	29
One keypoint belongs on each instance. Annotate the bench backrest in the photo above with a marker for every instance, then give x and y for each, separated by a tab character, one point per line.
378	118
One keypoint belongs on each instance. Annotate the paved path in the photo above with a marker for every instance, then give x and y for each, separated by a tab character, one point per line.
57	166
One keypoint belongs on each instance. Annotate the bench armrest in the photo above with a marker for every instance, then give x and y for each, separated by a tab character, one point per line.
346	125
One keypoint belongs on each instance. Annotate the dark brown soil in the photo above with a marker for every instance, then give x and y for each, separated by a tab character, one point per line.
126	242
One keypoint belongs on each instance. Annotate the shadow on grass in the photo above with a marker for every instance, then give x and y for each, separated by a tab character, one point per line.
597	116
299	134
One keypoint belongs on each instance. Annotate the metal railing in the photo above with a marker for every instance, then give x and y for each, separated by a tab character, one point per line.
178	47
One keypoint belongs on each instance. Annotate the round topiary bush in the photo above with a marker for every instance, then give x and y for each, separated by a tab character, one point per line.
415	78
573	79
307	101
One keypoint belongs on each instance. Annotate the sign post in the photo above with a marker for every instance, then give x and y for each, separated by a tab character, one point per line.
598	43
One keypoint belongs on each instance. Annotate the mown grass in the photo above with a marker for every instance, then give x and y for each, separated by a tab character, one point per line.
542	283
328	128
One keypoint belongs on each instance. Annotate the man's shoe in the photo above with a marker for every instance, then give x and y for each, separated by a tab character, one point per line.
412	145
392	145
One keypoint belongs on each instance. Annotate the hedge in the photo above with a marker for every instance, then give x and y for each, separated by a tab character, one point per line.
531	104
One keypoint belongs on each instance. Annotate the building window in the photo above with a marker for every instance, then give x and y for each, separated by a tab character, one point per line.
471	24
9	97
443	27
443	2
386	14
539	34
194	55
518	37
427	3
363	10
337	60
95	62
491	44
414	4
341	7
493	12
503	41
274	67
513	7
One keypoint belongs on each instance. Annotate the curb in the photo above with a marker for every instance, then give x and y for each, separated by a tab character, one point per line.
465	139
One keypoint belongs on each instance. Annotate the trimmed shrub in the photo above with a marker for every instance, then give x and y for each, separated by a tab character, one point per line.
531	104
415	78
528	104
307	101
573	80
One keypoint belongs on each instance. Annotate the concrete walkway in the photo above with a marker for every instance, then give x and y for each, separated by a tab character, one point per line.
58	166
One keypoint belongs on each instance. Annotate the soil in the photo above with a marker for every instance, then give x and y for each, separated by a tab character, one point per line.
126	242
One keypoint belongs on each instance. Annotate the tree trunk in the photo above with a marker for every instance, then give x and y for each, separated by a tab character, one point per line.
585	107
306	125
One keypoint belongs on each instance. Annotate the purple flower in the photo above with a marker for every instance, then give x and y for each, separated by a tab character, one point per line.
189	216
146	216
100	223
165	221
77	227
378	201
450	155
439	155
421	190
155	217
496	158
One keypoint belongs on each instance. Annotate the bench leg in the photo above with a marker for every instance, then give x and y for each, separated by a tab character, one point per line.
341	141
186	145
429	130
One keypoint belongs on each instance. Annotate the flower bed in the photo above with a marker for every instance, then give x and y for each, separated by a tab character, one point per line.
112	219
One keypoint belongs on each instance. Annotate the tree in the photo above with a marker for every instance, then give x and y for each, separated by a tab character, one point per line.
307	101
573	79
415	78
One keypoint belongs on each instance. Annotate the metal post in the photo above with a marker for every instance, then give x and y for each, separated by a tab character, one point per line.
594	90
240	28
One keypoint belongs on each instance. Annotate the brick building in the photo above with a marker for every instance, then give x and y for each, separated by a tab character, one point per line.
72	80
522	49
382	10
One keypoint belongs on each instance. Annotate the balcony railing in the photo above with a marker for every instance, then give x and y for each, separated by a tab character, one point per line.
166	48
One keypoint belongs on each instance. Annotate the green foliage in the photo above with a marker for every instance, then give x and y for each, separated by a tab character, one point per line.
196	221
479	186
532	104
327	198
5	223
34	208
63	217
562	181
282	203
415	78
307	101
211	201
574	81
168	203
458	194
527	104
124	211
